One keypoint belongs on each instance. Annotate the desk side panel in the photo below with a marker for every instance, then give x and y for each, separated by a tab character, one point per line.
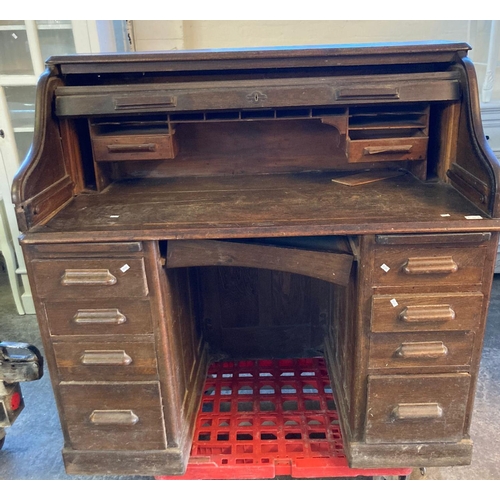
43	184
474	171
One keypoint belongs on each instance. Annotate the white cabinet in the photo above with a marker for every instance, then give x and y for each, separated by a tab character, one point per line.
24	46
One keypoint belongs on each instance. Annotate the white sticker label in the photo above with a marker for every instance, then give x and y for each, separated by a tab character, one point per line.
445	215
124	268
394	302
385	267
473	217
114	216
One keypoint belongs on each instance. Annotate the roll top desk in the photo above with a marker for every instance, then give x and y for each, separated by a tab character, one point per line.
336	201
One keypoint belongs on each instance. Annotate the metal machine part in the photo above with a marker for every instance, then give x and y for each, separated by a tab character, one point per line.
19	362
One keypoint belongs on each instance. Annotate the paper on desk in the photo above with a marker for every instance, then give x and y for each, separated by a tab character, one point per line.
360	178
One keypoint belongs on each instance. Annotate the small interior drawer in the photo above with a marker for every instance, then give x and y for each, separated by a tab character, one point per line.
106	361
426	312
428	266
416	408
113	417
90	278
97	318
135	145
418	350
386	149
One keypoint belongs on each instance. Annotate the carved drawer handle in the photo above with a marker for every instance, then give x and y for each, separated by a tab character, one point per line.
421	350
115	358
99	316
417	411
114	417
424	314
430	265
131	148
88	277
378	150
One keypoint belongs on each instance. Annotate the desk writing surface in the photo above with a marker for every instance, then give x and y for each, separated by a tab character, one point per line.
278	205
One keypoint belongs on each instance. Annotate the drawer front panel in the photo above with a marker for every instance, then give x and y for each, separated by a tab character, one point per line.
104	317
95	278
415	350
44	249
106	361
416	409
113	416
424	266
397	149
134	147
426	312
77	101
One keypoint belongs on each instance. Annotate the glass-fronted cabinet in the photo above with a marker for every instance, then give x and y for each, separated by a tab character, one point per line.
24	46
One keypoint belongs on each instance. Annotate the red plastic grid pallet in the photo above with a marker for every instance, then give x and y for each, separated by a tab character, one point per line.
267	418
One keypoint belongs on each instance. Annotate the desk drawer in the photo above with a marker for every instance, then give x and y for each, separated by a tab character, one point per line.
103	317
134	147
90	278
426	312
390	149
427	266
416	350
416	409
113	416
106	361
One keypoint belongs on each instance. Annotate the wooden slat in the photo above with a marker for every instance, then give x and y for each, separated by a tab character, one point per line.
331	267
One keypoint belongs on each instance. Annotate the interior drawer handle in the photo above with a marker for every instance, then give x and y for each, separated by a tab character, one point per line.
417	411
421	350
132	148
145	102
115	358
114	417
379	150
423	314
88	277
368	93
430	265
99	316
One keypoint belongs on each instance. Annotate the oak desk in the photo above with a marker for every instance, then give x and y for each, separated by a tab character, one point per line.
336	201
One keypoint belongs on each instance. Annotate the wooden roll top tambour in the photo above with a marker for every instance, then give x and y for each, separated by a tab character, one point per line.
335	201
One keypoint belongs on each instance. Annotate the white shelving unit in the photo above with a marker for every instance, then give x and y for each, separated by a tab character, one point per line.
24	47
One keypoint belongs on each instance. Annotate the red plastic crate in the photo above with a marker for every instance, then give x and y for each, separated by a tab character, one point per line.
267	418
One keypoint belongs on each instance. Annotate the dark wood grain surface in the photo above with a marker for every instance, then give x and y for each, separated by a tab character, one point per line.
130	309
278	205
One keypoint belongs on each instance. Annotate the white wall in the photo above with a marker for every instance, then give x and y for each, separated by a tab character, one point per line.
168	35
158	35
171	35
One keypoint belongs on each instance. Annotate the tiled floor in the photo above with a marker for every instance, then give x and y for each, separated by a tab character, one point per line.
33	443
